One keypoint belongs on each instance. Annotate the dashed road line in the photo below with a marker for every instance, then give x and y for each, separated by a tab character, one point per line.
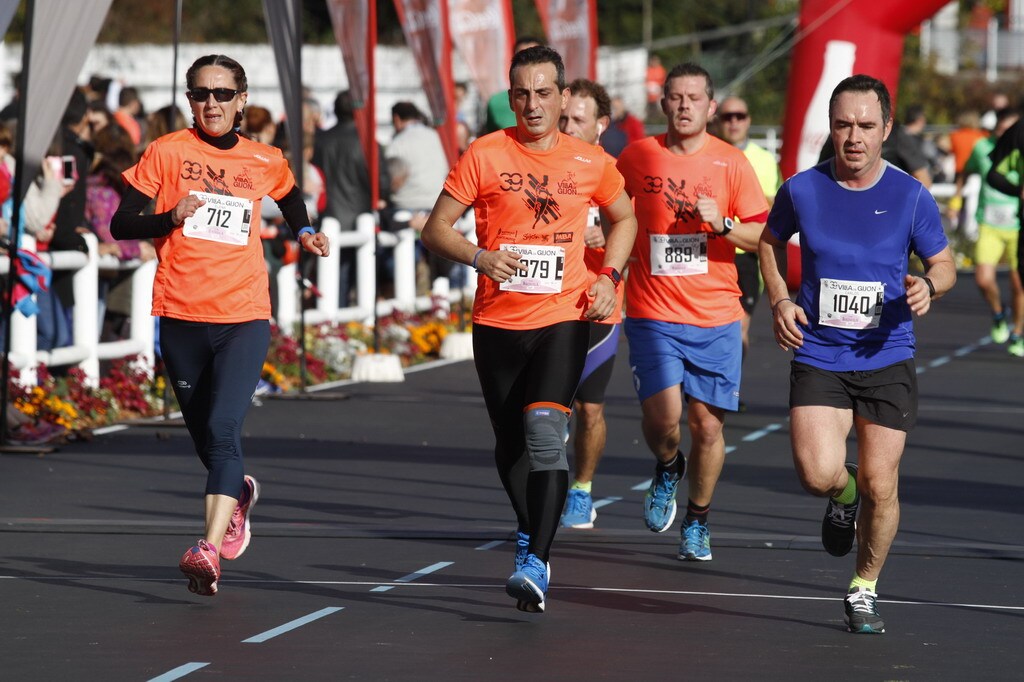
291	625
178	672
761	433
414	576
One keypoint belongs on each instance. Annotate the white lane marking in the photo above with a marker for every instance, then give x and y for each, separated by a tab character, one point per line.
966	350
291	625
606	501
492	586
793	597
109	429
643	486
958	353
690	593
757	435
491	545
179	672
413	576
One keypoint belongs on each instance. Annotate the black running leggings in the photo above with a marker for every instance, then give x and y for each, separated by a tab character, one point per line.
214	369
518	368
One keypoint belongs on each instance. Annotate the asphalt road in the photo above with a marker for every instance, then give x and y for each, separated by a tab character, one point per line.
381	545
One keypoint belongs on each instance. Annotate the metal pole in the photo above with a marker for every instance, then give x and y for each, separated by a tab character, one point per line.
19	193
648	25
171	122
992	51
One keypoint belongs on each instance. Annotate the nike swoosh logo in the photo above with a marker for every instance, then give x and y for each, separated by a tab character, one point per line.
877	212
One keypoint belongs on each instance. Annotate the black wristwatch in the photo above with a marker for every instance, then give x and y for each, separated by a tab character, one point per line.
931	287
727	226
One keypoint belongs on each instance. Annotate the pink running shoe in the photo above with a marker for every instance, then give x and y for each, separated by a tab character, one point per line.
201	566
236	539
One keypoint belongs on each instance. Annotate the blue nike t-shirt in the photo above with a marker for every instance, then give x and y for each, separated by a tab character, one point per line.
854	249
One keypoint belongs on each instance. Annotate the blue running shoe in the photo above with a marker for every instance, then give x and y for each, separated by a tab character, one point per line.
579	510
660	501
696	543
522	549
529	585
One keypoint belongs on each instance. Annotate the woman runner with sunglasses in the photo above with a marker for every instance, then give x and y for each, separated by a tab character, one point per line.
211	291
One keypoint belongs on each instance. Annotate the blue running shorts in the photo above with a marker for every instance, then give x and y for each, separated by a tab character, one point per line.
706	361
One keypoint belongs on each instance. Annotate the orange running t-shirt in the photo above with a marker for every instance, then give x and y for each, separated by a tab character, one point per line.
680	270
594	258
212	270
534	203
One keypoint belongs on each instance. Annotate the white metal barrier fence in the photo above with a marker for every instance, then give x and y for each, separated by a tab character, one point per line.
86	351
329	308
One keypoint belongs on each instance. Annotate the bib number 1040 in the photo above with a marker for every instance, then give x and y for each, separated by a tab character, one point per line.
850	304
847	303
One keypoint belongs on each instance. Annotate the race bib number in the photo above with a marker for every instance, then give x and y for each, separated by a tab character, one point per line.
679	255
850	305
1000	216
223	219
545	266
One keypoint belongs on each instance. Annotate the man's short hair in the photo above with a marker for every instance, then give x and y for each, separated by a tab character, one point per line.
76	109
127	96
690	69
581	87
406	111
863	83
539	54
525	41
914	113
344	106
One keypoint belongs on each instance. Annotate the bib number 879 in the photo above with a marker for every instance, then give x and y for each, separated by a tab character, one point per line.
536	269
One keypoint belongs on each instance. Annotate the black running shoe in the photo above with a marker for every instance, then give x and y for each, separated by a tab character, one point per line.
839	527
862	612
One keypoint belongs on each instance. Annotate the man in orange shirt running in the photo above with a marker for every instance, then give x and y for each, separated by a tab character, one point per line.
587	115
682	301
532	187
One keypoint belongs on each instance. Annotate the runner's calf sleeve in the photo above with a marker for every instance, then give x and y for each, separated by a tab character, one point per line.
546	429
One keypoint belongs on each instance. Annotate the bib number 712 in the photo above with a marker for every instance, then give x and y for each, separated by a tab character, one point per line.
218	217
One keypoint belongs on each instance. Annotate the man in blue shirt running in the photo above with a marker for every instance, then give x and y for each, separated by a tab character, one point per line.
850	327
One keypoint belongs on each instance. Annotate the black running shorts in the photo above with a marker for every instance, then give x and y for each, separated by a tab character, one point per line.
886	396
749	278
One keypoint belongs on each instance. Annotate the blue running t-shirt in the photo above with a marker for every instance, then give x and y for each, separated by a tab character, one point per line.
854	249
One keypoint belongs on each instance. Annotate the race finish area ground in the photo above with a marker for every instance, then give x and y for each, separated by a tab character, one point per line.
381	543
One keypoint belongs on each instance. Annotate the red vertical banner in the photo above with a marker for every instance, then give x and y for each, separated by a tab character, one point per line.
425	25
571	27
355	29
483	32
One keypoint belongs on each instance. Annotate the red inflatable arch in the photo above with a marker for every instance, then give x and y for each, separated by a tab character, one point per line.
840	39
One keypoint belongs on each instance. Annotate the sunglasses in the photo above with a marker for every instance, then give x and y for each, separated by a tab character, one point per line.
219	94
733	116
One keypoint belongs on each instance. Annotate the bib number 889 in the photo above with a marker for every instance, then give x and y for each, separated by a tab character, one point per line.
678	254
